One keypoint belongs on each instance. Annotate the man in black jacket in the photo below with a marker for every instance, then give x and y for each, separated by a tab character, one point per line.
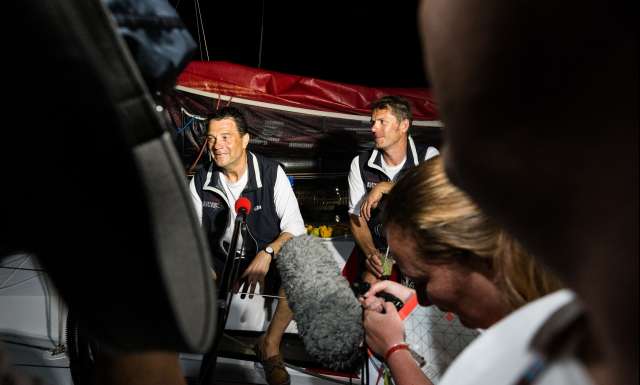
372	174
275	218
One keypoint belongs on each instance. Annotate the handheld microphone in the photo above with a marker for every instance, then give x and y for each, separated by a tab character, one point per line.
243	208
327	313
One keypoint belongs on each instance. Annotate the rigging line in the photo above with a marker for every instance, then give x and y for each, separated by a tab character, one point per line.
18	283
24	259
261	295
195	163
21	268
261	35
60	321
41	366
14	258
181	129
198	27
47	306
43	348
177	4
204	35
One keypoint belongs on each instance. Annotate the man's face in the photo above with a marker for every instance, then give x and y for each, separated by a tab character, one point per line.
387	130
226	144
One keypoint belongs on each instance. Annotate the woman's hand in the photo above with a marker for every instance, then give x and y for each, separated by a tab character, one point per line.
383	330
382	323
402	292
371	302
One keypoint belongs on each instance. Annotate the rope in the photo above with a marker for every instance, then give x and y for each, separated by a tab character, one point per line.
21	268
24	259
198	29
195	163
263	295
204	35
60	325
47	306
181	129
261	34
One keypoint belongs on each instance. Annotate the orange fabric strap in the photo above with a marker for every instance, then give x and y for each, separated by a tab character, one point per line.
408	307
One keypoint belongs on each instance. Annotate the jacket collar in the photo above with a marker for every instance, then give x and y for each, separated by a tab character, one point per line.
254	181
375	160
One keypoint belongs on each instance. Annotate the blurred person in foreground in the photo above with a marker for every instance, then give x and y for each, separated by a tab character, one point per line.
550	91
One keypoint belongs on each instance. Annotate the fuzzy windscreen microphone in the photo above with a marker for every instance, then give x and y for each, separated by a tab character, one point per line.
327	313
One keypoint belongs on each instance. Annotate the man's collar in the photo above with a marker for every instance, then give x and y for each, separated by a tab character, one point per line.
254	181
375	160
255	178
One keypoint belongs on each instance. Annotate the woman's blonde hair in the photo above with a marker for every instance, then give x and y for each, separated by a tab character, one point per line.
448	226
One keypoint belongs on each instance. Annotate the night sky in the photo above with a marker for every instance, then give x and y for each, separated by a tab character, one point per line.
372	43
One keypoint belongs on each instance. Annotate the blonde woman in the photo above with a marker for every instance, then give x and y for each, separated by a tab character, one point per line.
459	260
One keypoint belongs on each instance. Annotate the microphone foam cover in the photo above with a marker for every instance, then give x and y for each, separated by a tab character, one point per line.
327	313
243	203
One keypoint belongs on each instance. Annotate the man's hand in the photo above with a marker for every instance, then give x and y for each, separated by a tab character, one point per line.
254	274
369	277
373	263
372	199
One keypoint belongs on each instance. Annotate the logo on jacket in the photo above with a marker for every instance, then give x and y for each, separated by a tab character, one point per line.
371	184
257	208
211	205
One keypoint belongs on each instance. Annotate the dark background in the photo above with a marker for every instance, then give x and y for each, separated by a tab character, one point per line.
372	43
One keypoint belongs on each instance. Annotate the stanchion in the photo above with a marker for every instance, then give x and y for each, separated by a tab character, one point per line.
229	277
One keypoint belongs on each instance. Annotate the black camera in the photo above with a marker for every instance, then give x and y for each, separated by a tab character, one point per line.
360	288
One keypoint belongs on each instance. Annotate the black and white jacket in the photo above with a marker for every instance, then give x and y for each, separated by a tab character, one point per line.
215	210
367	171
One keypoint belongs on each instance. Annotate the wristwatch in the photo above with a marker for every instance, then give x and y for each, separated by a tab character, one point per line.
270	251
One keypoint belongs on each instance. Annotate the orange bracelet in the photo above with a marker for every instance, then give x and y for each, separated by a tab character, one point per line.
394	349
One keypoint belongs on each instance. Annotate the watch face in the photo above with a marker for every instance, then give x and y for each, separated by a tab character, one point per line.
269	250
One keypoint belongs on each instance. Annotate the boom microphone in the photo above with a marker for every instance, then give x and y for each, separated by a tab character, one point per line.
327	313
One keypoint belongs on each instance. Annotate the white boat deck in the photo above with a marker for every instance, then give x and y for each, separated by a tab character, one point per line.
33	319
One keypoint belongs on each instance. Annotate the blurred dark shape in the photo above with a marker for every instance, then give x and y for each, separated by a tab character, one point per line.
157	39
94	186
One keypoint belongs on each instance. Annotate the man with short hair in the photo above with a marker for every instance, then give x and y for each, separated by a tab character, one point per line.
373	173
235	172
